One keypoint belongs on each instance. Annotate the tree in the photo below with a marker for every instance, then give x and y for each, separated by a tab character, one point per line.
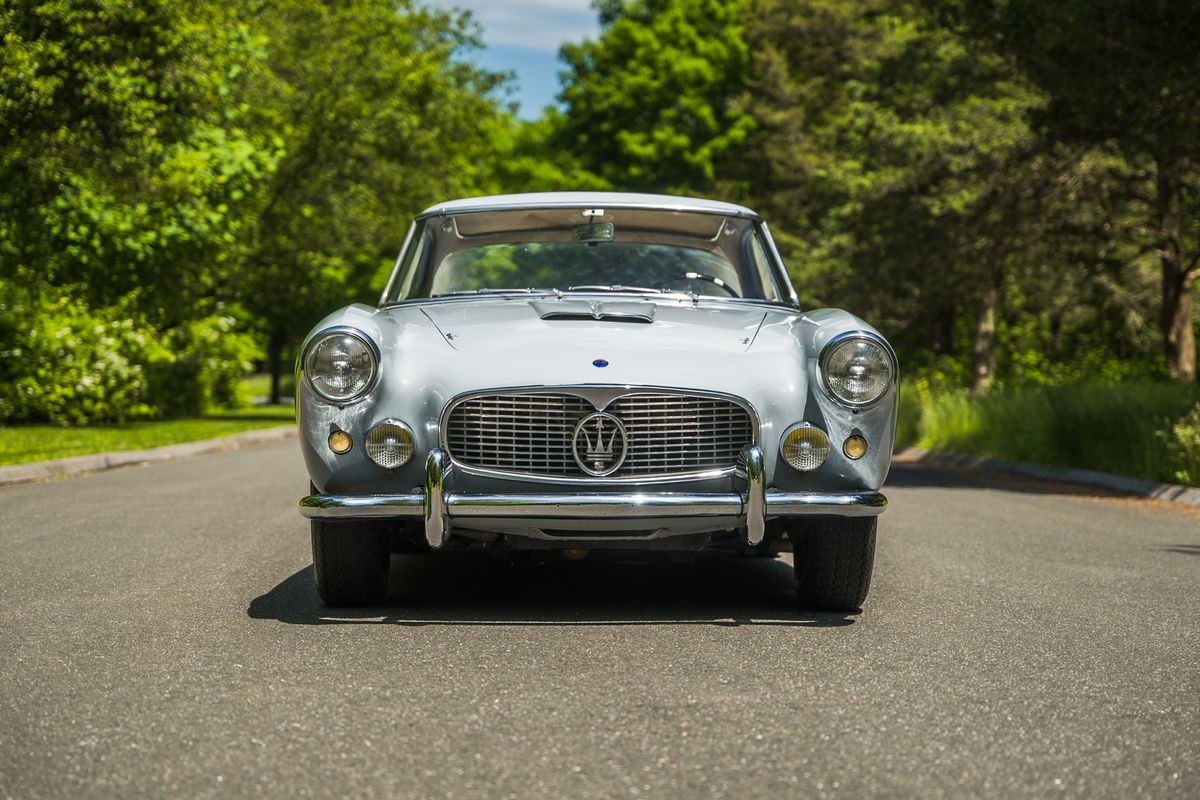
123	167
125	179
897	159
525	158
376	117
1127	72
900	158
650	105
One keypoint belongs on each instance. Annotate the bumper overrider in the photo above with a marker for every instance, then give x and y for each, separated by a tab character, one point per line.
439	507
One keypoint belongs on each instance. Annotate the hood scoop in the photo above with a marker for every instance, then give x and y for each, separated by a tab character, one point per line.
636	312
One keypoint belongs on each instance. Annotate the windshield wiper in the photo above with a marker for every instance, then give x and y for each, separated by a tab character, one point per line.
458	292
616	287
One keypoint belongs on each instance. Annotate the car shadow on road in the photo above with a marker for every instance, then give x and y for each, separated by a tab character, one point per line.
475	588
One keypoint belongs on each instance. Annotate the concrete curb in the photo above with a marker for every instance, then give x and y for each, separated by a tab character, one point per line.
1172	492
80	465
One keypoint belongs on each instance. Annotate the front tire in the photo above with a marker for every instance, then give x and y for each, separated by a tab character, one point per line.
350	561
833	562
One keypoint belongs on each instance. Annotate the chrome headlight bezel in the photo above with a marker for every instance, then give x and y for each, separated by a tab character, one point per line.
843	339
372	352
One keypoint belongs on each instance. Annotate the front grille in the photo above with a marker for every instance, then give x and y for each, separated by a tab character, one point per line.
531	434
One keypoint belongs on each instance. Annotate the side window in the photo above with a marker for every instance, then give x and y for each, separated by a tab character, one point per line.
414	265
762	266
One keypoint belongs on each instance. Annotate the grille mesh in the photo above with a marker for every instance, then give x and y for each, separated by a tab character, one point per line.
530	434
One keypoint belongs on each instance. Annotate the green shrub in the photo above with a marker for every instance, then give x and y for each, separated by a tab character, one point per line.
203	369
62	362
65	363
1182	441
1110	428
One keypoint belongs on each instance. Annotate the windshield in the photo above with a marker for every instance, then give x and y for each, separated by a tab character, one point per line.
586	249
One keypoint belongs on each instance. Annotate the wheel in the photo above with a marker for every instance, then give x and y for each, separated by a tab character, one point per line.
350	560
833	560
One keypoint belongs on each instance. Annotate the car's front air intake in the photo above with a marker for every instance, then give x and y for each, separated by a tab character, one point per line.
643	434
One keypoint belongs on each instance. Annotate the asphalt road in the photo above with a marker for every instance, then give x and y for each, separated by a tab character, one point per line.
160	635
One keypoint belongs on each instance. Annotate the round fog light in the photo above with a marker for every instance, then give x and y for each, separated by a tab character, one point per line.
389	444
855	447
805	447
340	442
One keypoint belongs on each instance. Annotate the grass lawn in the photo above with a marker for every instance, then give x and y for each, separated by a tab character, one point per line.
22	444
259	385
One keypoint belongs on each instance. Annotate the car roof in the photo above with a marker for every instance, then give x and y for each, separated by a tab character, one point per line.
657	202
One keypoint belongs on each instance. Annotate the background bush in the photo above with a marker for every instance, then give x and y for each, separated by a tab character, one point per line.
1182	441
1145	430
203	365
63	362
66	363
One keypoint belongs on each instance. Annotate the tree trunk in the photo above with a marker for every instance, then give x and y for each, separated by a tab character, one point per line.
275	361
1179	339
985	341
941	334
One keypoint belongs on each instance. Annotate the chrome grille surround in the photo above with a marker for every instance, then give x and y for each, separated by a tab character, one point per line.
526	433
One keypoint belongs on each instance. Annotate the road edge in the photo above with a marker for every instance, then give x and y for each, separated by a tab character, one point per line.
99	462
1171	492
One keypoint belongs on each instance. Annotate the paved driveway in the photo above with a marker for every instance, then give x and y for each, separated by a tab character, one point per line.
160	634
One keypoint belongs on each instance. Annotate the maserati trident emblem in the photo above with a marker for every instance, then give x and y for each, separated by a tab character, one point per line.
599	444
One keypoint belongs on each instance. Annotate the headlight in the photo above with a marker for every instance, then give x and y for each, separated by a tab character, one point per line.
340	365
857	370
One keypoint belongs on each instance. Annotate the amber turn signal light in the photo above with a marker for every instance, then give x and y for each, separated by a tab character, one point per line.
340	442
855	447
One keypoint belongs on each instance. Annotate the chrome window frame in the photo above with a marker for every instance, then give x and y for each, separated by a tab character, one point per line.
789	297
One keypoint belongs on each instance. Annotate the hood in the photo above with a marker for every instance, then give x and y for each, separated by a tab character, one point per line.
598	327
433	352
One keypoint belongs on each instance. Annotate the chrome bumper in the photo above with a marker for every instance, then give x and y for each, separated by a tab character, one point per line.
438	507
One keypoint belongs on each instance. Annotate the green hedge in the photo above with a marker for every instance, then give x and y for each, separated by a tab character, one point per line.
1148	430
65	363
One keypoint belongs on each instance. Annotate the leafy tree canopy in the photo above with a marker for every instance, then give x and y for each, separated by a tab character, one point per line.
650	104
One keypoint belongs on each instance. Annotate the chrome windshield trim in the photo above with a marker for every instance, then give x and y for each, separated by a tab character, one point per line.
387	290
601	396
661	203
674	298
780	267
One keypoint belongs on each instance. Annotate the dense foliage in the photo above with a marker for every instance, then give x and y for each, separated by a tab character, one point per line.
1008	189
949	169
185	183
